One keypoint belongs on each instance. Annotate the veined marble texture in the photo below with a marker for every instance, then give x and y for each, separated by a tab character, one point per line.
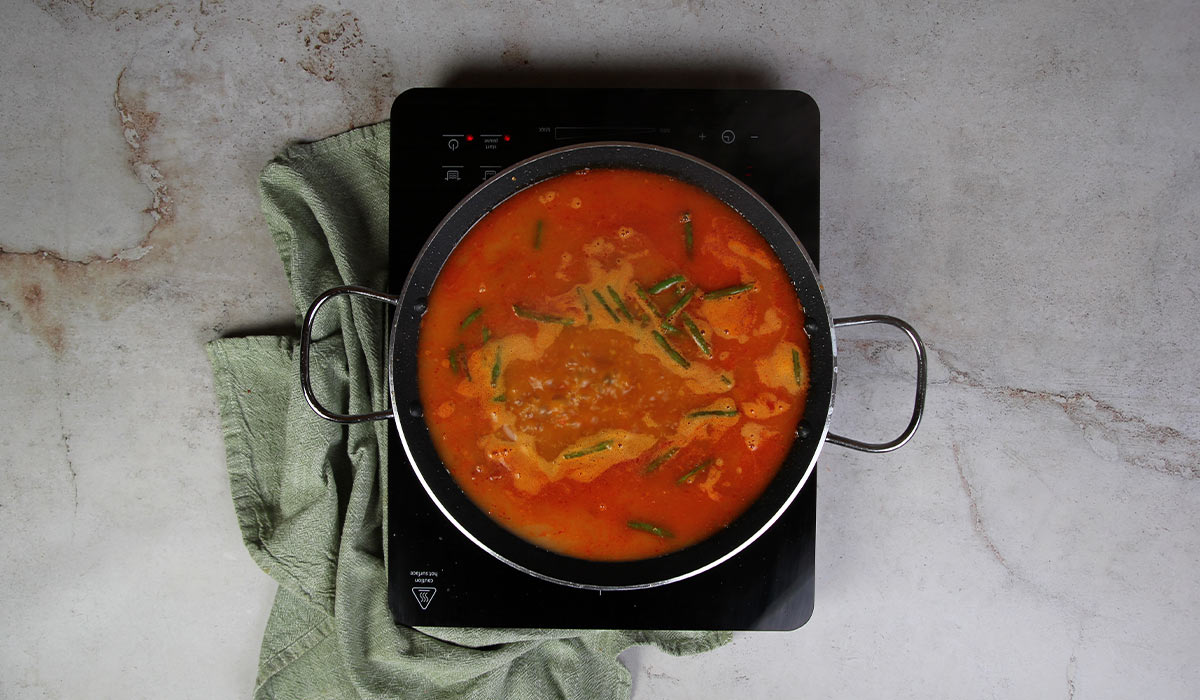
1020	181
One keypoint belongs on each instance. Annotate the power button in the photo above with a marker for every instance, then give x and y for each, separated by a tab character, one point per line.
728	136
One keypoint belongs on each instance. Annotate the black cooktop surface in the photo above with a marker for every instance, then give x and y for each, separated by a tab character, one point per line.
446	142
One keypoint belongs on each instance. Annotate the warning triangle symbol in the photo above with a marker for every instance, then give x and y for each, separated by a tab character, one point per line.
424	595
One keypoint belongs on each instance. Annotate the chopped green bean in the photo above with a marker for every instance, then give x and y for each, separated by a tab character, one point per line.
687	237
699	468
598	447
522	312
797	370
487	334
620	304
600	298
587	308
458	360
696	335
652	529
667	284
500	398
727	380
470	318
660	460
671	352
728	291
647	300
496	366
683	300
669	328
537	235
723	413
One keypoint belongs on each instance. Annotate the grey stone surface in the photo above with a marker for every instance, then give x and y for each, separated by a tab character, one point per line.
1018	180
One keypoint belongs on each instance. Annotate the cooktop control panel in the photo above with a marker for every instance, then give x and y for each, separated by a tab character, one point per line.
447	142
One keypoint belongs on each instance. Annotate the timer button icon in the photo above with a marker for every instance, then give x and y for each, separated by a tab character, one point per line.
728	136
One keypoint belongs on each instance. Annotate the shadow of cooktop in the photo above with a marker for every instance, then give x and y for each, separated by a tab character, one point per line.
732	74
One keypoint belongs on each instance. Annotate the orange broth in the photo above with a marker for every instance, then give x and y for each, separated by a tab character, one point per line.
567	419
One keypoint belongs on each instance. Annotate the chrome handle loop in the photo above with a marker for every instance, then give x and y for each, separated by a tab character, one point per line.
919	403
306	348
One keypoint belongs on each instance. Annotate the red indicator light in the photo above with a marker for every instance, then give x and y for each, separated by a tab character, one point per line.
507	137
470	137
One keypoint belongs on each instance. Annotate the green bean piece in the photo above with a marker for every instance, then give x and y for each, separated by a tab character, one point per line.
687	237
496	367
660	460
699	468
537	235
647	300
727	380
683	300
600	298
487	333
669	328
500	398
470	318
619	302
587	308
696	335
667	284
671	352
640	307
652	529
522	312
797	370
457	360
598	447
728	291
730	413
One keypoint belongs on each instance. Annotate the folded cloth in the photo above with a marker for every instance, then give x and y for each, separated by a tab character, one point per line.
309	495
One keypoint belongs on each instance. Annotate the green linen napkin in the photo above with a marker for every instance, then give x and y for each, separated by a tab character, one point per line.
309	495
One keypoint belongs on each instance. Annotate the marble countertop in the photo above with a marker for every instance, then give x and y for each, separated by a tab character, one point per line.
1020	181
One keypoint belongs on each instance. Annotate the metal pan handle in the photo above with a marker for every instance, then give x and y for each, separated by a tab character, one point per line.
306	346
919	403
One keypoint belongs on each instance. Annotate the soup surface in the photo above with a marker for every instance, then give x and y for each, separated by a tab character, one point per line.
613	364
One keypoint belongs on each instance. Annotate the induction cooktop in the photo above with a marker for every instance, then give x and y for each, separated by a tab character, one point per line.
446	142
